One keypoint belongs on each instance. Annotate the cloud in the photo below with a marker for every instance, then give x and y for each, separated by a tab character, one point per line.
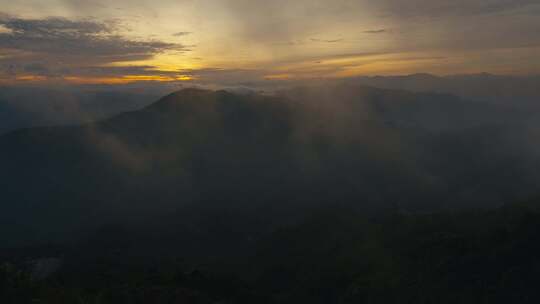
91	74
36	68
381	31
5	30
60	37
180	34
444	8
59	47
270	36
327	40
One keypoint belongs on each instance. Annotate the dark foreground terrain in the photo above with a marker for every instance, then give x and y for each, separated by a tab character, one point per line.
331	257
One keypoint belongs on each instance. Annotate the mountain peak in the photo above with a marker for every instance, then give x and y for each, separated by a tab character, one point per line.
186	96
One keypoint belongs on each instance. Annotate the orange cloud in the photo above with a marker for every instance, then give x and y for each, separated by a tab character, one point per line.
126	79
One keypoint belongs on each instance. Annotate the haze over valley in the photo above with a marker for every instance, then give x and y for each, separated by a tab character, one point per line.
254	152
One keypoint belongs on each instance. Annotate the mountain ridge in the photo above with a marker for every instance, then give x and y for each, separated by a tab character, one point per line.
262	158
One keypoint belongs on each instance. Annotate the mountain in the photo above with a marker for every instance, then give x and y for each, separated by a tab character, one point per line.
431	112
224	164
512	91
24	107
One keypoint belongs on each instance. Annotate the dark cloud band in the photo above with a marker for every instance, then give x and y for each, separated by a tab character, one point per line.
43	45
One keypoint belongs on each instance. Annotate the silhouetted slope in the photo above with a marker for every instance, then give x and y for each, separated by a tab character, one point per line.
265	160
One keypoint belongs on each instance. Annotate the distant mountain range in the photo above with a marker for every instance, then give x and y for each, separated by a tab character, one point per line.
198	160
515	91
23	107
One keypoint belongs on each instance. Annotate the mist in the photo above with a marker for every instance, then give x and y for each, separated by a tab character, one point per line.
200	171
279	152
270	157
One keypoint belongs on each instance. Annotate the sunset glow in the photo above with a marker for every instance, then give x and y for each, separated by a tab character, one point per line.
169	40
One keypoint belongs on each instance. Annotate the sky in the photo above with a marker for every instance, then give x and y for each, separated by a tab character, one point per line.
237	41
